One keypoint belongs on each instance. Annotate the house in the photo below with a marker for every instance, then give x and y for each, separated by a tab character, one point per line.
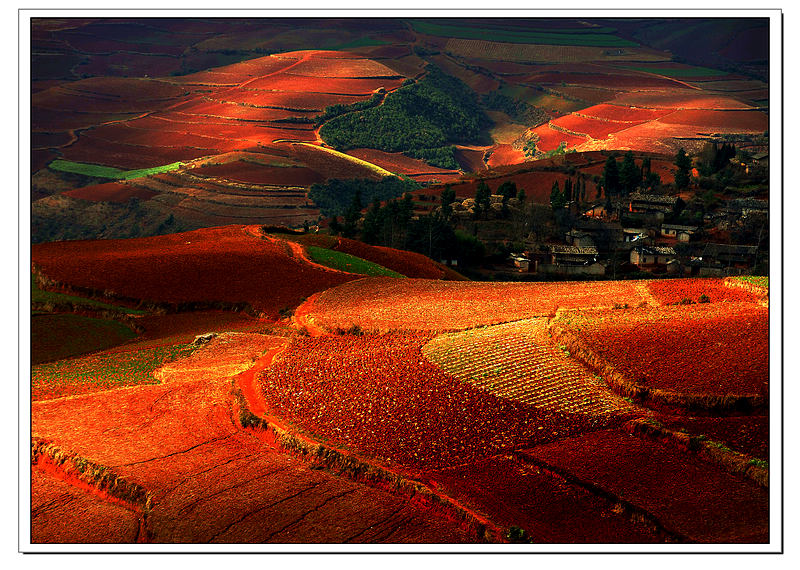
730	255
652	255
682	233
572	260
596	211
521	262
579	238
634	235
605	235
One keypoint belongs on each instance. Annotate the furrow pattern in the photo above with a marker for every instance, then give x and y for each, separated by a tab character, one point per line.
519	361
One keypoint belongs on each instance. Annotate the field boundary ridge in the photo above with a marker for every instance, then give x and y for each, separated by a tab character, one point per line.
626	387
733	462
634	513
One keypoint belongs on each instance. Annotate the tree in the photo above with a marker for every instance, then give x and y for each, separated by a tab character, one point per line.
684	164
335	226
508	189
611	181
629	174
448	197
482	199
568	190
557	200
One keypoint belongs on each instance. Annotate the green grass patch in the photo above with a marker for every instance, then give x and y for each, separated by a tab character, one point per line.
57	336
349	263
681	72
97	171
102	372
567	37
40	296
759	280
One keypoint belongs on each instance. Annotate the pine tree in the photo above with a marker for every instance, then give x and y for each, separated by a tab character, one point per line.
684	164
629	175
557	200
611	181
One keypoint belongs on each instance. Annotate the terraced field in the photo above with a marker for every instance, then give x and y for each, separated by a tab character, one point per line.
519	361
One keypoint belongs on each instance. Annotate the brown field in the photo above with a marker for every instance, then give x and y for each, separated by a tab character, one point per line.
110	192
397	162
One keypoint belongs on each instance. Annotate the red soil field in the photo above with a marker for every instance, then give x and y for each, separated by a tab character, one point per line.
50	120
96	45
49	140
406	263
595	128
254	173
425	305
614	81
41	158
504	154
664	168
304	101
341	67
396	162
686	495
199	111
110	192
678	99
620	113
182	328
211	126
673	291
331	165
154	65
336	85
589	94
549	139
729	121
159	139
356	390
470	160
549	509
537	185
439	177
745	434
126	156
710	349
225	264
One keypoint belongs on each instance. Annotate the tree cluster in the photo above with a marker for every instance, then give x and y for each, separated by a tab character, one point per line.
334	197
419	119
518	110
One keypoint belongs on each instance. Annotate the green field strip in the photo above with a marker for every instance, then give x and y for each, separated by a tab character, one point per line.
104	371
757	280
97	171
569	38
348	263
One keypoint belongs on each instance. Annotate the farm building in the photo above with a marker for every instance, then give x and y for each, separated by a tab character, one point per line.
651	203
635	235
683	233
572	260
579	238
730	255
652	255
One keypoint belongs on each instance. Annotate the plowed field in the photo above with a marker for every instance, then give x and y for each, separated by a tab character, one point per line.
719	349
224	264
420	304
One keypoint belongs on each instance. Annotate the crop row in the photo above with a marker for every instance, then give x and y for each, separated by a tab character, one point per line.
518	361
377	394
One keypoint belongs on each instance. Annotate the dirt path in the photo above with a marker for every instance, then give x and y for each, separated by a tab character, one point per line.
200	477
